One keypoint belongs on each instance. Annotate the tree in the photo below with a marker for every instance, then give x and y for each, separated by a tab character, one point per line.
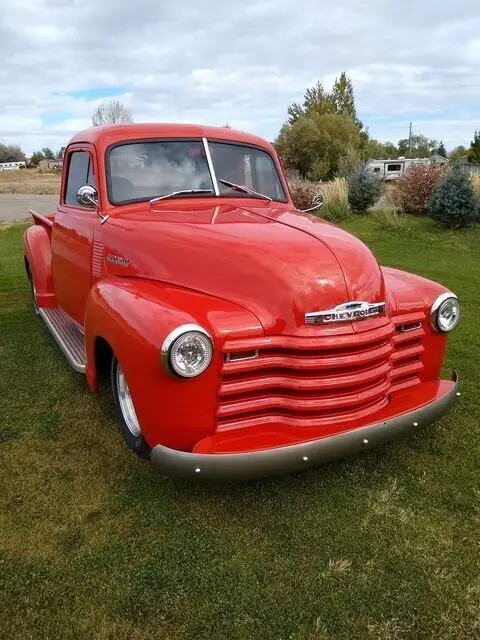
343	98
111	112
36	157
453	202
457	153
422	147
441	151
320	146
11	153
318	101
48	153
323	137
380	150
474	153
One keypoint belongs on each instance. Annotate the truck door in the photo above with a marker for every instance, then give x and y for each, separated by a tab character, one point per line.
73	232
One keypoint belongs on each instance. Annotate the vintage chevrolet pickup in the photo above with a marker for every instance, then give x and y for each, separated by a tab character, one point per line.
242	337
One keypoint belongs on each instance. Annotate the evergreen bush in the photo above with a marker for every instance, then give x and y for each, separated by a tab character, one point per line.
454	202
363	190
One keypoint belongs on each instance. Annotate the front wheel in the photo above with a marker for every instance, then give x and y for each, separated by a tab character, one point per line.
126	412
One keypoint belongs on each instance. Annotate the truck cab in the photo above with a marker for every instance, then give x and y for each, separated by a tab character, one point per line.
242	337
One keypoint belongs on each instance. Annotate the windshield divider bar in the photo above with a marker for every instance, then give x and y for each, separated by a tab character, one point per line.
211	167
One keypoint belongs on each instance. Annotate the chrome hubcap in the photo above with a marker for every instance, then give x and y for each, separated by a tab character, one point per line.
126	404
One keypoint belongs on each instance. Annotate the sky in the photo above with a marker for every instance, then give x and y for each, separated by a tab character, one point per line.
219	61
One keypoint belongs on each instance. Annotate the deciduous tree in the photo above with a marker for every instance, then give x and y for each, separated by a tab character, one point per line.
48	153
422	147
11	153
457	153
111	112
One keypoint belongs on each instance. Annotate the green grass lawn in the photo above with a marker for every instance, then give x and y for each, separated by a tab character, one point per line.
95	544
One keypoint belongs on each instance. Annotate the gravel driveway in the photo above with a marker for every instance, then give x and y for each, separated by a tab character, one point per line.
14	206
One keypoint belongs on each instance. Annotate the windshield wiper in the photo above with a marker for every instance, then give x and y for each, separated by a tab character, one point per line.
242	187
180	193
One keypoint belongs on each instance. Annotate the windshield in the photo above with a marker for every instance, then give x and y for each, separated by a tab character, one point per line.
147	170
247	166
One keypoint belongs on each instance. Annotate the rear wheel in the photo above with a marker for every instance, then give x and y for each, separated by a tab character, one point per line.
126	412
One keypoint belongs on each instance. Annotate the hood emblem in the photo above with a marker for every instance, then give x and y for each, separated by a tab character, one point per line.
349	311
120	260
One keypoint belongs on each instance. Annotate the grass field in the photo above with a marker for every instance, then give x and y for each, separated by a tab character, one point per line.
30	181
96	544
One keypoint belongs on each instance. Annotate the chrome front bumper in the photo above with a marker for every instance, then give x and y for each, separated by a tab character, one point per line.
269	462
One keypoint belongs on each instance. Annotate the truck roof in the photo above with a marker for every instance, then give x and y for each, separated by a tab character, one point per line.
104	136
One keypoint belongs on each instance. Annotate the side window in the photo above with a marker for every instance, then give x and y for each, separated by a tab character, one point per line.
78	174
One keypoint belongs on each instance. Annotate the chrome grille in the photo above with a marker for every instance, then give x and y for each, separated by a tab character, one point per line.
318	381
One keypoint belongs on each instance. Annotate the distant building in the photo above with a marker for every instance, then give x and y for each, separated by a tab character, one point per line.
8	166
50	164
394	169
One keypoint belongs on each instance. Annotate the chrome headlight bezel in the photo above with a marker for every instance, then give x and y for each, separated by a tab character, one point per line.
436	312
173	339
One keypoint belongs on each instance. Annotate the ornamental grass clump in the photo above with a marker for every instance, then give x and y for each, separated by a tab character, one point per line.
475	180
454	202
335	191
363	190
415	188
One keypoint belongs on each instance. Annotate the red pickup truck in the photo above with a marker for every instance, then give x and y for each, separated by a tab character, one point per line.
242	337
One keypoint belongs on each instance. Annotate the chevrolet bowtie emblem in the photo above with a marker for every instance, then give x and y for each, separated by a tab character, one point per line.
349	311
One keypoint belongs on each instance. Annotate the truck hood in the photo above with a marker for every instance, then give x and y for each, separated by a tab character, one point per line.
272	260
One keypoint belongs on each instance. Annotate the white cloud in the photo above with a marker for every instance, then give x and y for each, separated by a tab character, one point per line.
216	61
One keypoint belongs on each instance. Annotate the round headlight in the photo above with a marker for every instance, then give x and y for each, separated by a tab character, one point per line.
445	312
187	351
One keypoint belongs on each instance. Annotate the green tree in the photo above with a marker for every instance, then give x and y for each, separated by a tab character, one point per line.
441	151
422	147
320	146
474	152
457	153
318	101
36	157
380	150
48	153
453	202
323	137
343	99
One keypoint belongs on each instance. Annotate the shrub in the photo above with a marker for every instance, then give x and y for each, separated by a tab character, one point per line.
335	191
454	202
415	188
391	221
363	190
335	211
303	192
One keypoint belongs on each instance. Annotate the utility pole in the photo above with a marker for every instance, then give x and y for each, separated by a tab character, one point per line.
410	141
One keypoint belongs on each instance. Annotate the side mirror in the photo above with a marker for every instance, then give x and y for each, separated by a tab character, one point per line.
87	196
317	202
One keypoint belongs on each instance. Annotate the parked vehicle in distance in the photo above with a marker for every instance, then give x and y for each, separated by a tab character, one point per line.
243	337
12	166
394	169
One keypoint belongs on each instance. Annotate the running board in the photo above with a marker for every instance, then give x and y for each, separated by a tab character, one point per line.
68	335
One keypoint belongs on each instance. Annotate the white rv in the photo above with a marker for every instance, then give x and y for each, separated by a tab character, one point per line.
9	166
394	169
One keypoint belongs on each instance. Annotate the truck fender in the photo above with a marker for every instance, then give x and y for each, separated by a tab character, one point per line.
134	317
38	255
